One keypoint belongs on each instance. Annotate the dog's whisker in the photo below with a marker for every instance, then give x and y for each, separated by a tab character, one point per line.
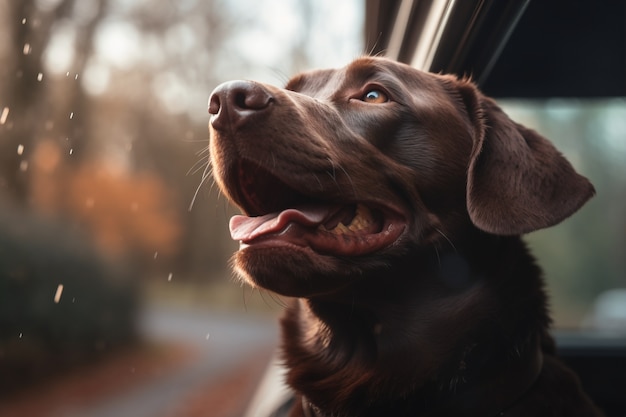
243	297
354	193
202	152
332	174
446	238
195	140
198	166
438	257
208	171
321	187
277	299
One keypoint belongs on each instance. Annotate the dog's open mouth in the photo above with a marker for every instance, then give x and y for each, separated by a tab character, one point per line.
278	214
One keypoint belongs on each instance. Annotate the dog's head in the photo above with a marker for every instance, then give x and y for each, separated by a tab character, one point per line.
344	170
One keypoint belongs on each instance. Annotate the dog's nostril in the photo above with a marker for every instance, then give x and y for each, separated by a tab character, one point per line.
240	100
214	104
250	96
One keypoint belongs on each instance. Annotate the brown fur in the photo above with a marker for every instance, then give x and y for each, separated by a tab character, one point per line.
448	318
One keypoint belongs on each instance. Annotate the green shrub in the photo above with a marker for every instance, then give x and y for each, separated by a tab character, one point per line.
41	334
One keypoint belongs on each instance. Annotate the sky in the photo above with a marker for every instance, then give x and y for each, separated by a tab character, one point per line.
269	31
336	38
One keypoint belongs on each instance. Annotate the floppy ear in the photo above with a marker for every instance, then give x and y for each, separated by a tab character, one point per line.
517	180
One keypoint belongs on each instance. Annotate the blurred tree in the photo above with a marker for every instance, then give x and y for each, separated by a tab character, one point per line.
31	111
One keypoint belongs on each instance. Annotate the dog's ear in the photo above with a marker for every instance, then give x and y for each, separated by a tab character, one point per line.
517	180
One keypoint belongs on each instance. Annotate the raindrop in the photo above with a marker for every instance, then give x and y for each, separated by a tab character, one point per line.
24	21
21	334
76	77
71	151
4	115
71	115
57	295
40	76
156	254
26	49
20	149
169	277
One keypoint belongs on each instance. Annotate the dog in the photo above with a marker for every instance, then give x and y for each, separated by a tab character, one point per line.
388	203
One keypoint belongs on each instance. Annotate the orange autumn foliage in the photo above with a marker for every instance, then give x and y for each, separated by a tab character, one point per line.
124	211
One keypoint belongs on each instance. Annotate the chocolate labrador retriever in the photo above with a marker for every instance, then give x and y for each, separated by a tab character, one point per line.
388	202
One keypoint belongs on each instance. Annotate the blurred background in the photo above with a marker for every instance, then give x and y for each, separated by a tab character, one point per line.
116	297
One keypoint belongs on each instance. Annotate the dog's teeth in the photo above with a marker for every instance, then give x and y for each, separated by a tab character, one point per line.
341	229
361	221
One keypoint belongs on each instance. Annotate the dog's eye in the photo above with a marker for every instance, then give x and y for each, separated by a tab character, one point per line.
375	96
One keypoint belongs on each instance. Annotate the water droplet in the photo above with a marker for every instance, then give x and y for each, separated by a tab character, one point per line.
156	254
4	115
20	149
57	295
71	115
76	77
21	334
71	151
24	21
169	277
26	49
40	76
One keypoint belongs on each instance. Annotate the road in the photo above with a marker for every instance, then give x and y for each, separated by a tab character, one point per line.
223	340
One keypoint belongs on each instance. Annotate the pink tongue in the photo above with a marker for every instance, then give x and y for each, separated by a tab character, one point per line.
248	228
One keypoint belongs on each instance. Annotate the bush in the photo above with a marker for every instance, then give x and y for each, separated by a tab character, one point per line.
40	333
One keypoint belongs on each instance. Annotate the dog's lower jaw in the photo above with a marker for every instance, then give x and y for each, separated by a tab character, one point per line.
274	269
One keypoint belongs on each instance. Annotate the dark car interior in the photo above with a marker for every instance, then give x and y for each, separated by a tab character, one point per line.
523	50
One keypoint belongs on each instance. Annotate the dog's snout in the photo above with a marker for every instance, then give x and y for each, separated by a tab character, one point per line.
234	102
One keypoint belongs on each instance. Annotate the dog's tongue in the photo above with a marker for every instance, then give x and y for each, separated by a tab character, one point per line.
245	228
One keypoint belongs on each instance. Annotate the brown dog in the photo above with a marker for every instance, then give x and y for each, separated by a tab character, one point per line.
389	202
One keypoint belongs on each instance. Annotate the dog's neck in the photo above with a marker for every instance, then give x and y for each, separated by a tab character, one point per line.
406	339
491	399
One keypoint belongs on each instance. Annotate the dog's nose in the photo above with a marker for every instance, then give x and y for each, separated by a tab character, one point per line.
234	102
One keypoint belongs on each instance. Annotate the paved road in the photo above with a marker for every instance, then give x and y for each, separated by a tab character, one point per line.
223	340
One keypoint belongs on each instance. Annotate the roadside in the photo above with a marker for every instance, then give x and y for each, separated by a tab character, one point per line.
195	363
